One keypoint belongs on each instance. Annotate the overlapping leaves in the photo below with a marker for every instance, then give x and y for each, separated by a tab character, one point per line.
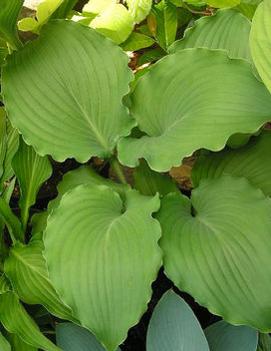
181	111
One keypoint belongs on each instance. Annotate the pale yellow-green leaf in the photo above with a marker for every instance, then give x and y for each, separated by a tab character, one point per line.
114	22
139	9
97	6
28	24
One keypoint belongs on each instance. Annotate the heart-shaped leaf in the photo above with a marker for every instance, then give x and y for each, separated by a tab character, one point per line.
181	111
260	39
97	261
71	337
222	336
217	248
252	161
173	326
66	99
226	30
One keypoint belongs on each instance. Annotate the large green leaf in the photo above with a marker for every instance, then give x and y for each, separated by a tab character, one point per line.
31	171
139	9
96	260
173	326
66	99
252	161
71	337
4	344
16	320
222	336
260	39
9	13
27	271
217	248
114	22
181	111
226	30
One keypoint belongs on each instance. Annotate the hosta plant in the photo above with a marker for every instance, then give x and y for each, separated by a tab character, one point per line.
135	139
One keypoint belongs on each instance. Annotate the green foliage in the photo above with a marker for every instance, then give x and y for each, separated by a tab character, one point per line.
259	41
102	266
4	344
76	125
192	112
44	11
31	171
9	13
27	271
89	209
214	248
16	320
226	30
252	161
